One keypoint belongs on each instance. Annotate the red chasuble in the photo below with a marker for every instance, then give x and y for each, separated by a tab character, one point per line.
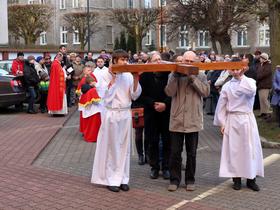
56	88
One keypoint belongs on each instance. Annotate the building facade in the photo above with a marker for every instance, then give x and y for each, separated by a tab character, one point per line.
248	38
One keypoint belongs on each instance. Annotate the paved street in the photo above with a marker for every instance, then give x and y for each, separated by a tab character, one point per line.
45	164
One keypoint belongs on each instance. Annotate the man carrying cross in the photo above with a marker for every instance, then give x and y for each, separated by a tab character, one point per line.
186	120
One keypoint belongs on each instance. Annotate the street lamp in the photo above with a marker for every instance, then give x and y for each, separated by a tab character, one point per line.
88	36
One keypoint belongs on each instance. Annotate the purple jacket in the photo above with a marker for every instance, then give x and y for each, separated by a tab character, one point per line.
275	100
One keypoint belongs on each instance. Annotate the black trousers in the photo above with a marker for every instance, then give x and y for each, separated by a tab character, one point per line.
139	142
175	161
156	129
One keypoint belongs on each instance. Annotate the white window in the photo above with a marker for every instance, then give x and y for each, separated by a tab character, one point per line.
264	35
76	39
162	3
42	1
31	1
162	35
62	4
110	3
242	37
75	3
130	4
148	4
203	39
184	37
43	38
149	37
63	35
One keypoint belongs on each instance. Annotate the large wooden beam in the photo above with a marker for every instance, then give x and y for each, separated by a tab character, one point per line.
182	68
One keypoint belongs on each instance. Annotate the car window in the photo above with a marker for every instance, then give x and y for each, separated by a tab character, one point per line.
3	72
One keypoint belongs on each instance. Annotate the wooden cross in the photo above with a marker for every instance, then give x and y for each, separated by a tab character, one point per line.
182	68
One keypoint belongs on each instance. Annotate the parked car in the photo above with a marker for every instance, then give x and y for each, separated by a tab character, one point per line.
12	91
6	65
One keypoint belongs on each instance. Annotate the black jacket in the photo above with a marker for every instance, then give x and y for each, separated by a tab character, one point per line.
153	85
31	77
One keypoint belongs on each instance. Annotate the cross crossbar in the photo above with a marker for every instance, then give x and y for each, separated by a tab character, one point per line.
182	68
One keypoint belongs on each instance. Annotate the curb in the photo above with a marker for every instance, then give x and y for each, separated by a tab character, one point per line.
268	144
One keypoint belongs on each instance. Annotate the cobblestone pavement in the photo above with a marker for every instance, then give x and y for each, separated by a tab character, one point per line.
45	164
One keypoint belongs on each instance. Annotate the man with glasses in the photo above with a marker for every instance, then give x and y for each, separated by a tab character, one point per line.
186	120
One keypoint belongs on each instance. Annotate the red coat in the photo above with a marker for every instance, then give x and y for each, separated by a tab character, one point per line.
17	67
56	88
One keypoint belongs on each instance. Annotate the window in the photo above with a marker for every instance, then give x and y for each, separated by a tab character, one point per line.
62	4
149	37
183	37
110	3
264	35
31	1
63	35
130	4
162	3
75	3
242	37
109	35
162	37
43	38
148	4
76	39
42	1
203	38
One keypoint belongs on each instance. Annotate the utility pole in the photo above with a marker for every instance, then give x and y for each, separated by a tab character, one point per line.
88	36
161	28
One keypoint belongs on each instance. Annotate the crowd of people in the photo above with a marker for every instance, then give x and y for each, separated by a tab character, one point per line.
173	110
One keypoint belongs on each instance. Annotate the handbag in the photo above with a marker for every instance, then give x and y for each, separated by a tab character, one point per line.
137	117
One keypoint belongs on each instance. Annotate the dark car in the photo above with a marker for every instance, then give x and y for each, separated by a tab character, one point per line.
12	91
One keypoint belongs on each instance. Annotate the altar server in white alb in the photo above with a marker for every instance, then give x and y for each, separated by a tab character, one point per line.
112	155
241	151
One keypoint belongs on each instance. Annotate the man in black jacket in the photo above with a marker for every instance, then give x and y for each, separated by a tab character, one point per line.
31	80
156	115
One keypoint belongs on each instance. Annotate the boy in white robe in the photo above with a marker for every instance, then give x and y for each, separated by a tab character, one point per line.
112	155
241	151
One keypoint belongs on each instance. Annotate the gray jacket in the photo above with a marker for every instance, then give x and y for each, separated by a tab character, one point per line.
187	94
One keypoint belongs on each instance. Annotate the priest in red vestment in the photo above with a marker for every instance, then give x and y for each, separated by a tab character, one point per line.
57	102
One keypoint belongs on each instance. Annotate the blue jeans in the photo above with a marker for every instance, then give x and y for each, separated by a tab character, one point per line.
31	99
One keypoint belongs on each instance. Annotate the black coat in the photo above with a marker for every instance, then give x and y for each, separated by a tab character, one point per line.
31	77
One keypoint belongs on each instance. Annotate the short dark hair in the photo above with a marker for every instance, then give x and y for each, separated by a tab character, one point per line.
103	50
120	53
61	46
20	54
100	57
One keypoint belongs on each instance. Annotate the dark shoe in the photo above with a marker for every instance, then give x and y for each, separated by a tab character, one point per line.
165	174
141	160
43	110
261	115
251	184
113	188
236	183
31	112
154	174
124	187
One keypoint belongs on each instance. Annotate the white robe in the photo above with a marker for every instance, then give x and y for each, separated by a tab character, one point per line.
241	150
103	79
112	155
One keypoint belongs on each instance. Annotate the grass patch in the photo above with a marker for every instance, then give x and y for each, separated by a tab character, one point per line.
269	129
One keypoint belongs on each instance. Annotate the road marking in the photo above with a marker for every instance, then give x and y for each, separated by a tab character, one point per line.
221	187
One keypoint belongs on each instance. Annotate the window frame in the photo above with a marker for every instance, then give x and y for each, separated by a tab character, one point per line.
63	33
62	4
266	38
183	31
43	38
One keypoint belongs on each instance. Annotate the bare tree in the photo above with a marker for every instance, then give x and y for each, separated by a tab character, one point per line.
137	22
77	21
216	16
28	21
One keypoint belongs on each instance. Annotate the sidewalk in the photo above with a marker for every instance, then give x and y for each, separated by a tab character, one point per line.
45	164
